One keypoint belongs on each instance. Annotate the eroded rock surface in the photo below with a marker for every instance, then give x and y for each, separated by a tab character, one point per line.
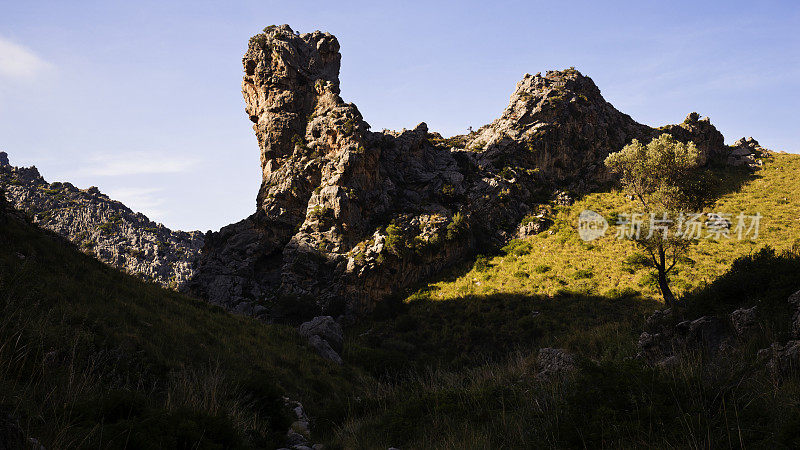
103	227
551	362
347	217
746	152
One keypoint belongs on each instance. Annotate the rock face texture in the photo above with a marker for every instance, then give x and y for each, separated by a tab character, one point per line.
347	217
558	124
325	335
707	138
746	152
552	362
103	227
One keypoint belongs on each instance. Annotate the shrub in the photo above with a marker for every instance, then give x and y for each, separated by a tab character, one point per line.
294	309
457	227
395	240
518	247
582	274
541	268
482	263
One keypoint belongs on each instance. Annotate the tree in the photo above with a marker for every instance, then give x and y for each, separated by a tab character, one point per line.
667	182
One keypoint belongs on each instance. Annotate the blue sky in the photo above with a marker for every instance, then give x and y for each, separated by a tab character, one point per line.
142	99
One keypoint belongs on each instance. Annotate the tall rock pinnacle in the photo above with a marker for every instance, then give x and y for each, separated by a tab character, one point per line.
346	216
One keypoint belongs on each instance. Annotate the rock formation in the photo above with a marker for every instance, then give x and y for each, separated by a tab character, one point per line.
103	227
325	335
347	217
707	138
746	152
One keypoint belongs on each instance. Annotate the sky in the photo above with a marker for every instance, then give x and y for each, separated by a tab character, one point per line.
143	99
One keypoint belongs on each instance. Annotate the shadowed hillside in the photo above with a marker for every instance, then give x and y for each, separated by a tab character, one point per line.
91	357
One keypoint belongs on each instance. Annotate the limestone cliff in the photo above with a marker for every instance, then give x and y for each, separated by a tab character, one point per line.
103	227
346	216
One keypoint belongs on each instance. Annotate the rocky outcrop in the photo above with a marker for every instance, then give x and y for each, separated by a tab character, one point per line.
560	125
346	216
744	320
780	359
794	305
552	362
665	337
298	436
707	138
325	336
746	152
103	227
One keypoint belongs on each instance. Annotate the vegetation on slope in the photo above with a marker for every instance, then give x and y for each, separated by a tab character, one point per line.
614	400
91	357
558	261
456	361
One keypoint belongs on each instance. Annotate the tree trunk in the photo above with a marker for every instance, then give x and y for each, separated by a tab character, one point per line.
663	284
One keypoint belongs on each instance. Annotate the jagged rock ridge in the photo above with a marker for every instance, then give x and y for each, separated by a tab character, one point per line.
103	227
347	217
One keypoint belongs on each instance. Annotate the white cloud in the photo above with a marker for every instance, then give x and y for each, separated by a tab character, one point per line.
137	164
19	62
148	201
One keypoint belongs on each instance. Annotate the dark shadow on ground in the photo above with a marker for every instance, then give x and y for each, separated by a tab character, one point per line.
474	329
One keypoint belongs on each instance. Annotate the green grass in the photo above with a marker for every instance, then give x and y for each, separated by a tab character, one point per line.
454	362
570	260
613	401
91	357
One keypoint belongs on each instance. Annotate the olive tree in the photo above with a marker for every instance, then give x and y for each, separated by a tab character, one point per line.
666	181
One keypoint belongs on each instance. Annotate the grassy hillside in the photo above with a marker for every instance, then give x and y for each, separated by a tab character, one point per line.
549	264
90	357
456	360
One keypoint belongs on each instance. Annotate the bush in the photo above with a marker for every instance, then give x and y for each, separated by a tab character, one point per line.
583	274
482	263
457	227
395	240
518	247
764	278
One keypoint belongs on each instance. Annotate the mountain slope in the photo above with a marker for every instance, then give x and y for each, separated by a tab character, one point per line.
558	260
349	217
472	341
103	227
92	357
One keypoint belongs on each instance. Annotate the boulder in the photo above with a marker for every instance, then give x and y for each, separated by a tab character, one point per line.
781	359
554	361
323	349
326	328
794	304
706	332
743	320
533	227
745	152
663	338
